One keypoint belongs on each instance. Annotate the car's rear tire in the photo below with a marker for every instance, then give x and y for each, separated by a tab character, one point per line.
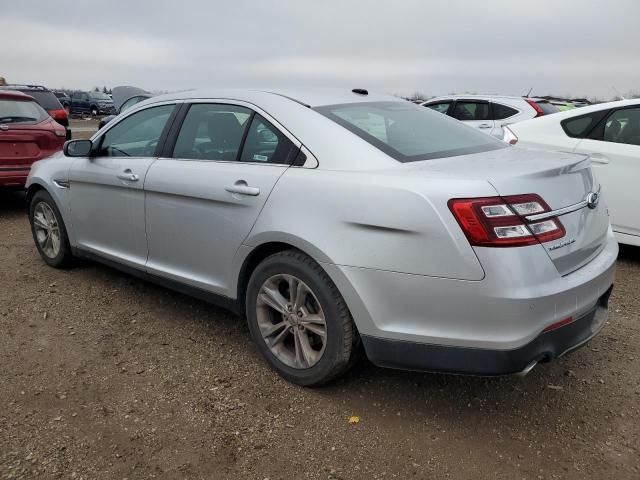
48	230
309	337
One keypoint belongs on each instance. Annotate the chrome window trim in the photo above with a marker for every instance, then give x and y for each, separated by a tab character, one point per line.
128	113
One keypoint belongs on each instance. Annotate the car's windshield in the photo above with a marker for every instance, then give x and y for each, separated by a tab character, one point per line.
20	111
100	96
409	132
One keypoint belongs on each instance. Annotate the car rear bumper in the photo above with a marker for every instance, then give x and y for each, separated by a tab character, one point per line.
410	316
14	178
487	362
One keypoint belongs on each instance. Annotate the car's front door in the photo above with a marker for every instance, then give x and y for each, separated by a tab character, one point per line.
80	102
615	155
475	113
106	190
203	201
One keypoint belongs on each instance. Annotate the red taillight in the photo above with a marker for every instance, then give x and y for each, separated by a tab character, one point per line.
537	108
58	114
500	221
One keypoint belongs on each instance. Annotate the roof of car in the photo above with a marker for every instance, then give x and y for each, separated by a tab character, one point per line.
475	96
308	97
14	95
594	108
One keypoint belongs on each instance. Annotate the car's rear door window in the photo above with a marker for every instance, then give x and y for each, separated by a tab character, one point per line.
266	144
212	131
409	132
466	111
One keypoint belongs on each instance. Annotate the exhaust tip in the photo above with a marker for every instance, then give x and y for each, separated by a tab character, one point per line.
526	369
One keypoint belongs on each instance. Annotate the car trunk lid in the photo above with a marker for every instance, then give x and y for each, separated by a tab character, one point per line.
23	144
564	181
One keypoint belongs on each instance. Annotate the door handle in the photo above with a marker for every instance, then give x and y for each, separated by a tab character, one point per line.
484	125
599	158
128	175
241	188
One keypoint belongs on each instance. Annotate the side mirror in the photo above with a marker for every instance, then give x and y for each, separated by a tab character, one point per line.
78	148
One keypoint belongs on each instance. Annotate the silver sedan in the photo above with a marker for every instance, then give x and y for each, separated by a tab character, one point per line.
340	222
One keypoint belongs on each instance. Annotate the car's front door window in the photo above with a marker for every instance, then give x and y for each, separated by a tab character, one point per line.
136	135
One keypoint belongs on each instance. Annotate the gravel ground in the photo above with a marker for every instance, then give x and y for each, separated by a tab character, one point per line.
107	377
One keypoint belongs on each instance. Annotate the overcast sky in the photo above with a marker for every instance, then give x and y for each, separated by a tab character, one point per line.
435	47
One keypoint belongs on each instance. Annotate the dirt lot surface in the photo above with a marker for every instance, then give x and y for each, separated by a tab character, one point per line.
104	376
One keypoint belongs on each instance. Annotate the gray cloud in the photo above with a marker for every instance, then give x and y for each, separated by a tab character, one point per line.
576	47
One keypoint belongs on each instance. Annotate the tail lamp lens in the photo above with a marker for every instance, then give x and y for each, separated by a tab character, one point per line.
536	107
500	221
58	114
509	137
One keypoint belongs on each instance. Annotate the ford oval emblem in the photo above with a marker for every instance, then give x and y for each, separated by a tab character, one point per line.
4	126
592	200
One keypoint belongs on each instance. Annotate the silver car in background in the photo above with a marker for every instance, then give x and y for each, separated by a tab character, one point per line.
340	222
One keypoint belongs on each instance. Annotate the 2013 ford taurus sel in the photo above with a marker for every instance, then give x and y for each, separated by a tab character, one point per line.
341	221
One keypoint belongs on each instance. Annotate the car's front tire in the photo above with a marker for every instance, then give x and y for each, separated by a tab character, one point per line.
299	320
48	230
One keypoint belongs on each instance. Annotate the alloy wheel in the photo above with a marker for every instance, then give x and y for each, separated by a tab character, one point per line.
47	230
291	321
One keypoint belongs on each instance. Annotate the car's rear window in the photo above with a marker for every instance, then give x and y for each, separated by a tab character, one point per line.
409	132
21	111
546	107
46	99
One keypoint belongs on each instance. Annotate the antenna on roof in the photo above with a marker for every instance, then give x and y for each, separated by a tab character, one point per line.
618	93
360	91
529	93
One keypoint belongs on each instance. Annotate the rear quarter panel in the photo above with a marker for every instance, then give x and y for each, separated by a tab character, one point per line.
377	220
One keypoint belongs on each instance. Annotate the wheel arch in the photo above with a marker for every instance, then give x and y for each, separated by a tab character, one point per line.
37	185
264	245
252	260
32	190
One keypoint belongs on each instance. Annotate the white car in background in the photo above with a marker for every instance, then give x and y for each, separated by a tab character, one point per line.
610	134
490	113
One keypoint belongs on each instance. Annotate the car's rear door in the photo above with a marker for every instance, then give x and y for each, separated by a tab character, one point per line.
502	115
614	148
203	198
475	113
106	190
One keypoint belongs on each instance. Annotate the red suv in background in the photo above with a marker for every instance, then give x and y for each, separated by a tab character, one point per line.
47	100
27	134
